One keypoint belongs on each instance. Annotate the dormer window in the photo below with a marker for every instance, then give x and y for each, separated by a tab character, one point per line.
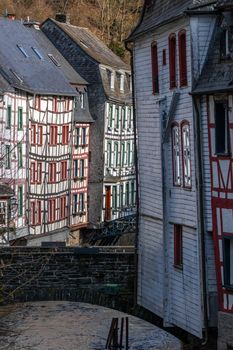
112	80
129	81
226	43
82	100
122	82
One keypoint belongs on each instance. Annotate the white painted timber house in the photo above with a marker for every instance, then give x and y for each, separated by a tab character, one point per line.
44	135
112	170
176	271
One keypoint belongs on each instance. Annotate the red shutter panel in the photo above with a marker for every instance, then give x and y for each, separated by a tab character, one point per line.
172	61
38	212
183	59
155	68
178	246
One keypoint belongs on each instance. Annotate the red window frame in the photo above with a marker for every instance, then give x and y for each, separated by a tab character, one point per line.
178	246
52	210
185	123
63	207
33	173
183	58
33	213
176	179
33	134
52	172
39	172
39	212
64	170
172	60
53	135
65	134
155	68
40	135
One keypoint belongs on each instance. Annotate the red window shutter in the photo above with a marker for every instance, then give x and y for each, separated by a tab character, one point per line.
33	213
33	172
183	58
155	68
65	134
172	61
33	134
178	246
39	172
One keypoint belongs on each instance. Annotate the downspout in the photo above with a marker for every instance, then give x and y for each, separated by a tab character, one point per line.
201	209
130	49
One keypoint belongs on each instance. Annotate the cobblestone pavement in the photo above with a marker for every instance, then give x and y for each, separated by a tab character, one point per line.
73	326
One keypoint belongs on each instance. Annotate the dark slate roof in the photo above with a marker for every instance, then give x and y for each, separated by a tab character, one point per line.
217	75
162	11
116	94
30	73
4	85
5	190
83	115
224	4
93	47
71	75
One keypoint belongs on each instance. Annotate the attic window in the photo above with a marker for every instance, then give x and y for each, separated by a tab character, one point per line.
226	43
83	43
17	76
53	59
22	50
37	52
122	80
112	80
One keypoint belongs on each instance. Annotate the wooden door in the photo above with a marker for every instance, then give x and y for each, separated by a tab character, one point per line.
108	211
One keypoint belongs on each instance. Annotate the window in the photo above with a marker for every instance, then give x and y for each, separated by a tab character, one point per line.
20	118
8	119
81	136
52	210
123	117
33	172
114	197
130	121
8	156
52	172
117	117
132	193
81	168
23	51
164	58
33	134
186	154
20	201
65	134
109	154
112	80
64	170
176	155
36	172
63	208
128	154
40	135
122	82
226	43
75	203
172	60
81	100
39	172
20	155
116	154
155	68
3	213
54	60
76	168
33	213
183	58
228	261
81	203
84	135
53	135
36	213
127	198
121	196
122	154
37	52
110	116
221	128
178	246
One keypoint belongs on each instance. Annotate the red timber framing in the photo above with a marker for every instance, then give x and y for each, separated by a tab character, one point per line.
221	167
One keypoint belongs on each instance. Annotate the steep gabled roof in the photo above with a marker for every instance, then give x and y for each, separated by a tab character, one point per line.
159	12
91	45
217	74
25	65
71	75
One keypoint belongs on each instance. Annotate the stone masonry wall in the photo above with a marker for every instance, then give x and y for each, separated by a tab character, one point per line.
225	331
77	274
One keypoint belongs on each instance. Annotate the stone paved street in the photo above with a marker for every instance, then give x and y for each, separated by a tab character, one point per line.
73	326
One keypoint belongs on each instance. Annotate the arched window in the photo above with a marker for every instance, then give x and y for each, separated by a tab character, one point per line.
172	60
183	58
155	68
176	155
186	154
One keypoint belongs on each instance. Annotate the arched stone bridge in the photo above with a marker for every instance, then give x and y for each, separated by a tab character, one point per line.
103	276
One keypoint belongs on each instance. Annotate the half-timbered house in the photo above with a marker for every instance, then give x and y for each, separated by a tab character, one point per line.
40	106
213	95
176	272
112	174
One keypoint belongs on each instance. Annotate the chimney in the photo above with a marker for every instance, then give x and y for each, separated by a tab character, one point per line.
63	18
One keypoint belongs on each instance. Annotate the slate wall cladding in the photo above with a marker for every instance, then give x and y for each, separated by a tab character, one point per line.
35	273
225	334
